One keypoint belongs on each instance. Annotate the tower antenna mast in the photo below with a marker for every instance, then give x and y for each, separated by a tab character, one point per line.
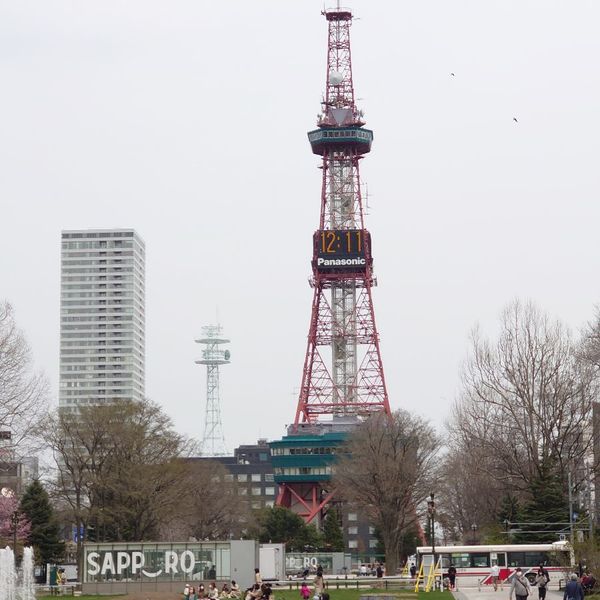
213	440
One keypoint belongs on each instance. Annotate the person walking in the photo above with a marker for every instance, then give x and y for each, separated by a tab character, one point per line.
319	584
495	575
520	586
541	581
573	589
452	576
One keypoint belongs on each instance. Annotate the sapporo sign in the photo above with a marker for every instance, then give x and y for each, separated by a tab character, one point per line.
303	561
119	562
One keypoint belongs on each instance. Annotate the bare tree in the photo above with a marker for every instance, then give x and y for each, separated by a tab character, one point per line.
467	495
388	472
526	399
119	468
23	393
211	508
590	351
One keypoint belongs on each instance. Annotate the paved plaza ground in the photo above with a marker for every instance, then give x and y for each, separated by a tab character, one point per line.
487	593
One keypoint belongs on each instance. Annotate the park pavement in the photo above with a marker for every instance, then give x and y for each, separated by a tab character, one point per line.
488	593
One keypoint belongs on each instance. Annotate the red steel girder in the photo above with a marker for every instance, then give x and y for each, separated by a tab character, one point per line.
311	497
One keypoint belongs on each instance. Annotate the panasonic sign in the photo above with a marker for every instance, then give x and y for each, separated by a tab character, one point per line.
341	262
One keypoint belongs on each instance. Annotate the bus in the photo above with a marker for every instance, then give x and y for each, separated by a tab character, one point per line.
473	563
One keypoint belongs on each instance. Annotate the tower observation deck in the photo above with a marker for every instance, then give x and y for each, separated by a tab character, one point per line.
342	378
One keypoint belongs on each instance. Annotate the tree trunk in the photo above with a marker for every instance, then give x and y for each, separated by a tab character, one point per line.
391	543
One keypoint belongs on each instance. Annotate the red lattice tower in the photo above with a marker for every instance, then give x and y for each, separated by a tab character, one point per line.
343	373
342	379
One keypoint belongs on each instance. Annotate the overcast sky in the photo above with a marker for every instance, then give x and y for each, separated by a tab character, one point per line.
187	121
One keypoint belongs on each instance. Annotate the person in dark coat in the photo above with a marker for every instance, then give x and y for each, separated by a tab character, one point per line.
573	589
452	576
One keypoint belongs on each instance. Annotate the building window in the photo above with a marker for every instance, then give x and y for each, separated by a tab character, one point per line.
269	491
242	477
352	543
256	491
228	477
262	456
269	503
352	517
352	530
269	477
371	530
373	543
255	504
255	476
243	491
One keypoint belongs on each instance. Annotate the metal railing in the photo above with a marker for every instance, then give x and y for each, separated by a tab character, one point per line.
357	583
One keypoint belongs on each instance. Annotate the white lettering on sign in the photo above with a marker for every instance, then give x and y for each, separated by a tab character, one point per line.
151	574
93	566
187	568
108	564
310	561
341	262
137	562
117	563
170	561
123	562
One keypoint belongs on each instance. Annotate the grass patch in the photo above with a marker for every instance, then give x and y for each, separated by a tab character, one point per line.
435	595
85	597
286	594
354	594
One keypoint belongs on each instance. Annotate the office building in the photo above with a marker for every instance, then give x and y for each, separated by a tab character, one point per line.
16	472
250	467
102	321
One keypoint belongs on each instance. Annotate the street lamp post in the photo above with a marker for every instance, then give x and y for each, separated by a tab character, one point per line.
431	515
14	520
474	530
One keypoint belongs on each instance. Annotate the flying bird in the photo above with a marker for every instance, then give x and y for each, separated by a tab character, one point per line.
515	119
452	74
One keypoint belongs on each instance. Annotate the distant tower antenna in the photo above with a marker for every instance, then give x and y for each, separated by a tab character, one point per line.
213	440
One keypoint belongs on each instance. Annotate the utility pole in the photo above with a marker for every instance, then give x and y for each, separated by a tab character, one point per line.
431	513
571	529
15	522
590	505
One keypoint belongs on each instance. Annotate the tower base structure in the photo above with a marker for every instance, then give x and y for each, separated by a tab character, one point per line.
303	464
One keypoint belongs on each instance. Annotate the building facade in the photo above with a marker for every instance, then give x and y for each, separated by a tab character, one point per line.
102	317
16	473
308	455
250	467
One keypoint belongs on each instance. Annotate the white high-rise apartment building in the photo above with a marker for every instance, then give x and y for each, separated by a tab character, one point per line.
102	321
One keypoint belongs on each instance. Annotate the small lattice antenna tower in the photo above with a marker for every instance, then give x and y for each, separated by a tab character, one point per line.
213	440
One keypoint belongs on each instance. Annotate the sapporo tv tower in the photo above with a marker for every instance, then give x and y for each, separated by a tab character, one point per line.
342	378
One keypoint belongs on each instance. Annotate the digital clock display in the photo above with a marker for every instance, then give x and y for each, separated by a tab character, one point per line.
341	250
